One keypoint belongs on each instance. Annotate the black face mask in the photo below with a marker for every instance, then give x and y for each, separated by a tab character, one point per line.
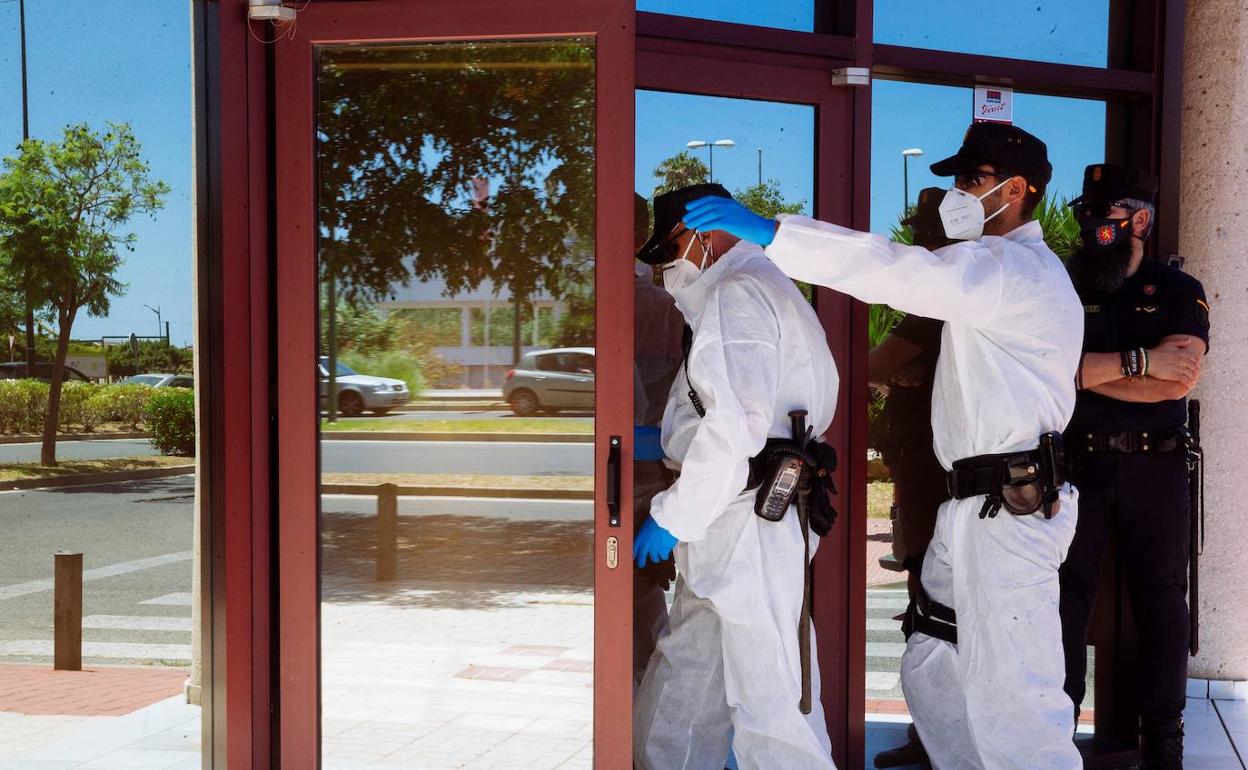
1101	265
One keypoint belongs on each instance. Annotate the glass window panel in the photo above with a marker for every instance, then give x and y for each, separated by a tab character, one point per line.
784	14
456	204
1062	31
136	700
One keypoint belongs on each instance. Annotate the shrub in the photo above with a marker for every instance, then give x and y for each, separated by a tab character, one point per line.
396	364
125	403
23	404
74	397
96	410
170	417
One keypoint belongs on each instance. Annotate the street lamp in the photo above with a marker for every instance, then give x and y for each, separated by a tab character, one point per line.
30	309
760	167
156	310
906	155
698	144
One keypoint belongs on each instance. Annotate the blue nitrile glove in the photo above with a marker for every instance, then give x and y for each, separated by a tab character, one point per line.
653	543
714	213
646	443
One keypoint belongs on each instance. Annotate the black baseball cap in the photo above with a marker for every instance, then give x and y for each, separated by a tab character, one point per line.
669	209
1108	183
1003	145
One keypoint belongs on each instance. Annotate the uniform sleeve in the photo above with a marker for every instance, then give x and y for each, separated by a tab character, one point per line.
962	282
734	365
1189	310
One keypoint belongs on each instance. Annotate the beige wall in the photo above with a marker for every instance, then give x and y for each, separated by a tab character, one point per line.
1214	238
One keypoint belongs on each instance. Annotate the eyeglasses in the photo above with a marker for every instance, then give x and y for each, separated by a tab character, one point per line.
1099	210
667	243
976	177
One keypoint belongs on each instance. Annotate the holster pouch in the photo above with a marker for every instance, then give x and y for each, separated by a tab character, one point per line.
1022	482
777	472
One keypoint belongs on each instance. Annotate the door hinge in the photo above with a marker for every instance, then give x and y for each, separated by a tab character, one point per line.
270	10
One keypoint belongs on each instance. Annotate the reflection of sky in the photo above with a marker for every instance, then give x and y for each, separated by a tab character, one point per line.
92	61
665	122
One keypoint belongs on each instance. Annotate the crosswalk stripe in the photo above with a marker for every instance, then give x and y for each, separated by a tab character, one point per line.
885	649
99	573
136	623
114	650
881	681
181	599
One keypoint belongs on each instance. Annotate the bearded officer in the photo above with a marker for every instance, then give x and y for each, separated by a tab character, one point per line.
983	671
1145	336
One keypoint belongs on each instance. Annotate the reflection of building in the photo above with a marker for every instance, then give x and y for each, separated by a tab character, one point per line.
484	355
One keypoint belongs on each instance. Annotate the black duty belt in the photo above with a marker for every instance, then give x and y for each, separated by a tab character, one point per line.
1021	482
1130	442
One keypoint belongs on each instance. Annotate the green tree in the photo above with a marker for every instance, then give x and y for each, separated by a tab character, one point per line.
766	200
680	170
63	206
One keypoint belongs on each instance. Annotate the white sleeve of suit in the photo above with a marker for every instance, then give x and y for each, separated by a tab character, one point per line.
961	283
735	367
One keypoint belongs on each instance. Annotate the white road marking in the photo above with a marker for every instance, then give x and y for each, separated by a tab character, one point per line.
99	573
112	650
180	599
885	649
883	624
882	681
136	623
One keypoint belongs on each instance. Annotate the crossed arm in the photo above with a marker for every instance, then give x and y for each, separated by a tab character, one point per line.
1175	366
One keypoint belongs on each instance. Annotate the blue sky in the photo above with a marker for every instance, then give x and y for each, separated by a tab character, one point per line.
129	61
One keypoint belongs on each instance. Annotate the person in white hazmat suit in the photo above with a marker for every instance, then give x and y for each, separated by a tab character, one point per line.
989	694
726	669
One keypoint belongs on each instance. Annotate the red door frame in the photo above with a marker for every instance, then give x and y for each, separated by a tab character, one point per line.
609	22
839	598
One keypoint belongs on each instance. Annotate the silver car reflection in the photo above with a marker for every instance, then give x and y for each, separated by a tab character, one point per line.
550	380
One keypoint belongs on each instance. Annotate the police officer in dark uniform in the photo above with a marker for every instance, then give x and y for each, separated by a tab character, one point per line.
1145	336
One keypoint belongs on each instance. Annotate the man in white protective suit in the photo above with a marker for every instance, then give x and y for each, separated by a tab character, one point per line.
983	667
727	668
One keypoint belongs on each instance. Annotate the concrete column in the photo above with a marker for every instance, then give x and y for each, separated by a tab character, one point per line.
1214	238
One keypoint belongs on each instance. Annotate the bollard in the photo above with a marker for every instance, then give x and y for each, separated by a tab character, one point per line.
67	612
387	532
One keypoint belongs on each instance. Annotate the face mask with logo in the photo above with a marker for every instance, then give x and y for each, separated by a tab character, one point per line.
962	214
1101	235
680	273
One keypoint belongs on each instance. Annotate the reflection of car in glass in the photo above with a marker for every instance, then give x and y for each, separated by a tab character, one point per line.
550	380
43	371
161	380
357	392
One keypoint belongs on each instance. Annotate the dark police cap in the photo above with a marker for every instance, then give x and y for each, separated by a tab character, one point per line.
669	208
1107	183
999	145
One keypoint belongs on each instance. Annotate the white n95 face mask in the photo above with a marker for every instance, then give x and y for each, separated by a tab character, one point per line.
962	214
680	273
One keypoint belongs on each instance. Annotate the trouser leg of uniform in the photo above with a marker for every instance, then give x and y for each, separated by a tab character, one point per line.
929	667
1154	507
680	714
649	620
762	670
1081	572
1006	593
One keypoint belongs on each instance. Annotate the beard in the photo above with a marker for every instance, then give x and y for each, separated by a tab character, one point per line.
1101	272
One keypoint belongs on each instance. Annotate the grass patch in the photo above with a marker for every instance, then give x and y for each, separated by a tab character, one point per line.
23	471
478	481
487	425
879	499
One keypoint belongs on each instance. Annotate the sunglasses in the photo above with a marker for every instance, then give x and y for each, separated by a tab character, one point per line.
1098	210
976	177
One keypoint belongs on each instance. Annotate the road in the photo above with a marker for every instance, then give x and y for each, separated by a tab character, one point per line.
510	458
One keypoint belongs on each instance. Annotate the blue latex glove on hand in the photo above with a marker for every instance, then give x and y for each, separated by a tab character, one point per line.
647	443
714	213
653	543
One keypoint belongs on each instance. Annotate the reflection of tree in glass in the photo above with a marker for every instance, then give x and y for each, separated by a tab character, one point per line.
680	170
411	136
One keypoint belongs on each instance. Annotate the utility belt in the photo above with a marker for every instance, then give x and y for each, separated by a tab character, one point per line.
1130	441
1021	482
778	473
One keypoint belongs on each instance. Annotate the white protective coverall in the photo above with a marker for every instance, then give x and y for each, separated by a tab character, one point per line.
1005	375
727	664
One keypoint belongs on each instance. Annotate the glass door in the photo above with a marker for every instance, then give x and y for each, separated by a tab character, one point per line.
453	385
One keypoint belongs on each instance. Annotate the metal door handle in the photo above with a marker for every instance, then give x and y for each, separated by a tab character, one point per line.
613	482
